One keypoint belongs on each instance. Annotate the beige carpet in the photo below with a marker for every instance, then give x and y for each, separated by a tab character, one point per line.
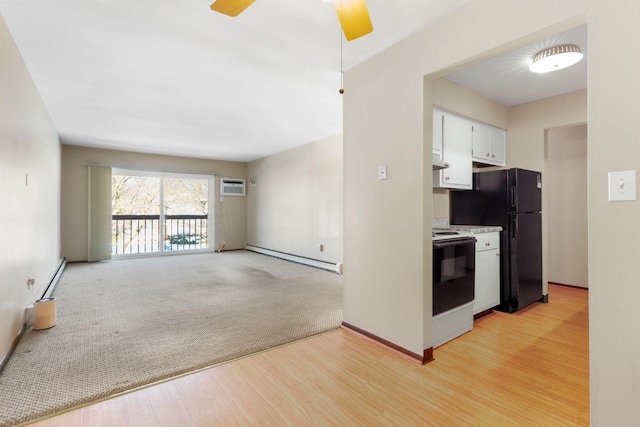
127	323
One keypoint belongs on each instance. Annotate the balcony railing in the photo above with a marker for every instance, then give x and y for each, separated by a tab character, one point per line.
138	234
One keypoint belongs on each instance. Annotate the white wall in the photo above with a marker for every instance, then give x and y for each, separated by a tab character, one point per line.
75	192
296	204
566	188
30	213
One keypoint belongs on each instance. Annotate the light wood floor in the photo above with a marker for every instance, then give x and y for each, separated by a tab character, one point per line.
525	369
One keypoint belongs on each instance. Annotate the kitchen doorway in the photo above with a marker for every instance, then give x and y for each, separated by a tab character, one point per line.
566	186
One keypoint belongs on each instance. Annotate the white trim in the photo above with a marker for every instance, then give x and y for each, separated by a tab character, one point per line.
335	267
124	170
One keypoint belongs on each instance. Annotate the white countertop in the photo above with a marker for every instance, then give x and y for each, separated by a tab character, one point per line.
476	229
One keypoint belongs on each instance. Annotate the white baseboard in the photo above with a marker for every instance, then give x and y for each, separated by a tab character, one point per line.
335	267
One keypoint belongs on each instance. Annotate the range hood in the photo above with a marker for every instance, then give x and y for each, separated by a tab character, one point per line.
438	163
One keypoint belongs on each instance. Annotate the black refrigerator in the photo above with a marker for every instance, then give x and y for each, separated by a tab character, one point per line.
512	199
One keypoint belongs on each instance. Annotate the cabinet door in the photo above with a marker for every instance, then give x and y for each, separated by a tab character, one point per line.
456	150
438	117
487	280
488	144
498	143
487	273
481	142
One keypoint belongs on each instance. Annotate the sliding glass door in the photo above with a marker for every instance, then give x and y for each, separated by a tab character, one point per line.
135	214
159	212
186	209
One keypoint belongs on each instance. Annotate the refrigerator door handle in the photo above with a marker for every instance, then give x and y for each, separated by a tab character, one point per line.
514	197
514	229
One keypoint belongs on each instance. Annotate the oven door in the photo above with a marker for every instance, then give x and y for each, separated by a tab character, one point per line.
453	273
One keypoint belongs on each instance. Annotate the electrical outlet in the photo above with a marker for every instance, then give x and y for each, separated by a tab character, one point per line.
28	315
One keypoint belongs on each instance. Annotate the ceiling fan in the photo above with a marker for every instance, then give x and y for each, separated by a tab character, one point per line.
353	14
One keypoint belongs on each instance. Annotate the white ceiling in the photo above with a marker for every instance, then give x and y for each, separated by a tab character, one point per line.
173	77
507	80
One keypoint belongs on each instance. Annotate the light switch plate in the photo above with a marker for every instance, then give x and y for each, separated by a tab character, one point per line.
382	171
622	186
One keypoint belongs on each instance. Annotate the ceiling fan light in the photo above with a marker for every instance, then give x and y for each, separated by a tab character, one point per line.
556	58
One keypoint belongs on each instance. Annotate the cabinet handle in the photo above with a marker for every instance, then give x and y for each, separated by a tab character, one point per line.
488	154
493	155
446	178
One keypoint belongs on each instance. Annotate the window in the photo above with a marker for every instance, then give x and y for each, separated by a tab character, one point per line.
159	212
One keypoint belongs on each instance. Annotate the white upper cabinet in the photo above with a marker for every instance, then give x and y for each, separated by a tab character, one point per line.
457	135
488	145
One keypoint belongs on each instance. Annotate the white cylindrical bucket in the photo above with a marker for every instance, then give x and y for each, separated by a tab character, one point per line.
44	313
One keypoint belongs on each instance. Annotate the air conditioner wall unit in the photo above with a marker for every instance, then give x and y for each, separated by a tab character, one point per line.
232	187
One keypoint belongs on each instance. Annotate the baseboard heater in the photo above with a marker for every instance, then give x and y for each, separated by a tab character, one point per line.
51	287
48	291
336	267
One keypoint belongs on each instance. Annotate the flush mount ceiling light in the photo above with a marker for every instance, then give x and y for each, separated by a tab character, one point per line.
556	58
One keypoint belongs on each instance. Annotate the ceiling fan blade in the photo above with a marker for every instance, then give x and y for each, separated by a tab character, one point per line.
231	7
354	18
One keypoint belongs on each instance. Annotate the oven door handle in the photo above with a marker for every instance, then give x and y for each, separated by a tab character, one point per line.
456	242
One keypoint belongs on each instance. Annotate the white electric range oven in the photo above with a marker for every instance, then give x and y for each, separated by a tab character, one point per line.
453	283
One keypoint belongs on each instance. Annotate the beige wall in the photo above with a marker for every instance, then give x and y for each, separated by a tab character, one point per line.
566	187
614	267
465	102
387	120
75	202
526	142
30	213
383	123
296	204
384	220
